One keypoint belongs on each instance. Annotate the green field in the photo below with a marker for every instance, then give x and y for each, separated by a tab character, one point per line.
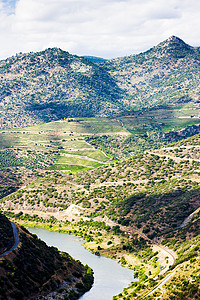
91	153
78	126
161	120
81	143
68	168
62	139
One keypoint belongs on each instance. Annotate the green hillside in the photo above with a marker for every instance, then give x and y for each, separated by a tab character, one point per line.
149	194
77	144
114	158
53	84
167	74
27	152
149	129
148	189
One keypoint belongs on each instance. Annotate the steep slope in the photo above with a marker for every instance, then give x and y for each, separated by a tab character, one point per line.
53	84
6	234
166	74
35	270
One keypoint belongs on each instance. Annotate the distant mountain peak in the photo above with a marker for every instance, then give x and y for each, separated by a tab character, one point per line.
175	47
174	40
55	50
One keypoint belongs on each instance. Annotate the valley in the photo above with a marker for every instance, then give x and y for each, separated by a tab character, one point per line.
122	207
108	151
33	270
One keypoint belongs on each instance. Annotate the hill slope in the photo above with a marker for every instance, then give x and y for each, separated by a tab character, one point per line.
34	269
150	194
148	172
51	85
166	74
155	190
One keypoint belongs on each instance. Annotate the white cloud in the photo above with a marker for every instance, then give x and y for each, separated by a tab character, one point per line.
106	28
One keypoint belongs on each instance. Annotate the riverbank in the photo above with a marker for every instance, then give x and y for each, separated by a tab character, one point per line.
32	270
109	277
104	240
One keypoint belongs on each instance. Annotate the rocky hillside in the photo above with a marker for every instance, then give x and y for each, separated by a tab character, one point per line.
166	74
53	84
34	270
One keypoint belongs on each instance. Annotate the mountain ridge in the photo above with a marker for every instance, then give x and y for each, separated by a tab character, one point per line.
166	74
54	84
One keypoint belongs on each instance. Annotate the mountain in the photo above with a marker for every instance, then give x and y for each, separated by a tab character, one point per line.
167	74
33	269
53	84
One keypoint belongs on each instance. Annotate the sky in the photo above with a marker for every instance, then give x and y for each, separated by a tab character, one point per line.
103	28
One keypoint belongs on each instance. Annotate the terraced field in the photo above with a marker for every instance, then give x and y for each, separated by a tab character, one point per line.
80	144
61	146
162	120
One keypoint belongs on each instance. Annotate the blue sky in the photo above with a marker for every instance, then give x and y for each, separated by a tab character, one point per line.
105	28
9	6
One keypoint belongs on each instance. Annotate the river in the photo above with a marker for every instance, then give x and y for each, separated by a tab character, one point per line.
109	277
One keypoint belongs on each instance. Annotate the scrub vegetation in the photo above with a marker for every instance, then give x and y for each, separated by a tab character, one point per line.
122	208
119	166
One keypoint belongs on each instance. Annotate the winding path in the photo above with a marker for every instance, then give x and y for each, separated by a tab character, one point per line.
16	240
162	283
161	248
187	220
167	252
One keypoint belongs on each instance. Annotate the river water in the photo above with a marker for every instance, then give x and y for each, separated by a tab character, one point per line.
109	277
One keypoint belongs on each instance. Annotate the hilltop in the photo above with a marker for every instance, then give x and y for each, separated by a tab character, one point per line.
54	84
34	269
167	74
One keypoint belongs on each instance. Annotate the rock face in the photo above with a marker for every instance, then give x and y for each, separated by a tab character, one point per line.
182	134
36	271
175	136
